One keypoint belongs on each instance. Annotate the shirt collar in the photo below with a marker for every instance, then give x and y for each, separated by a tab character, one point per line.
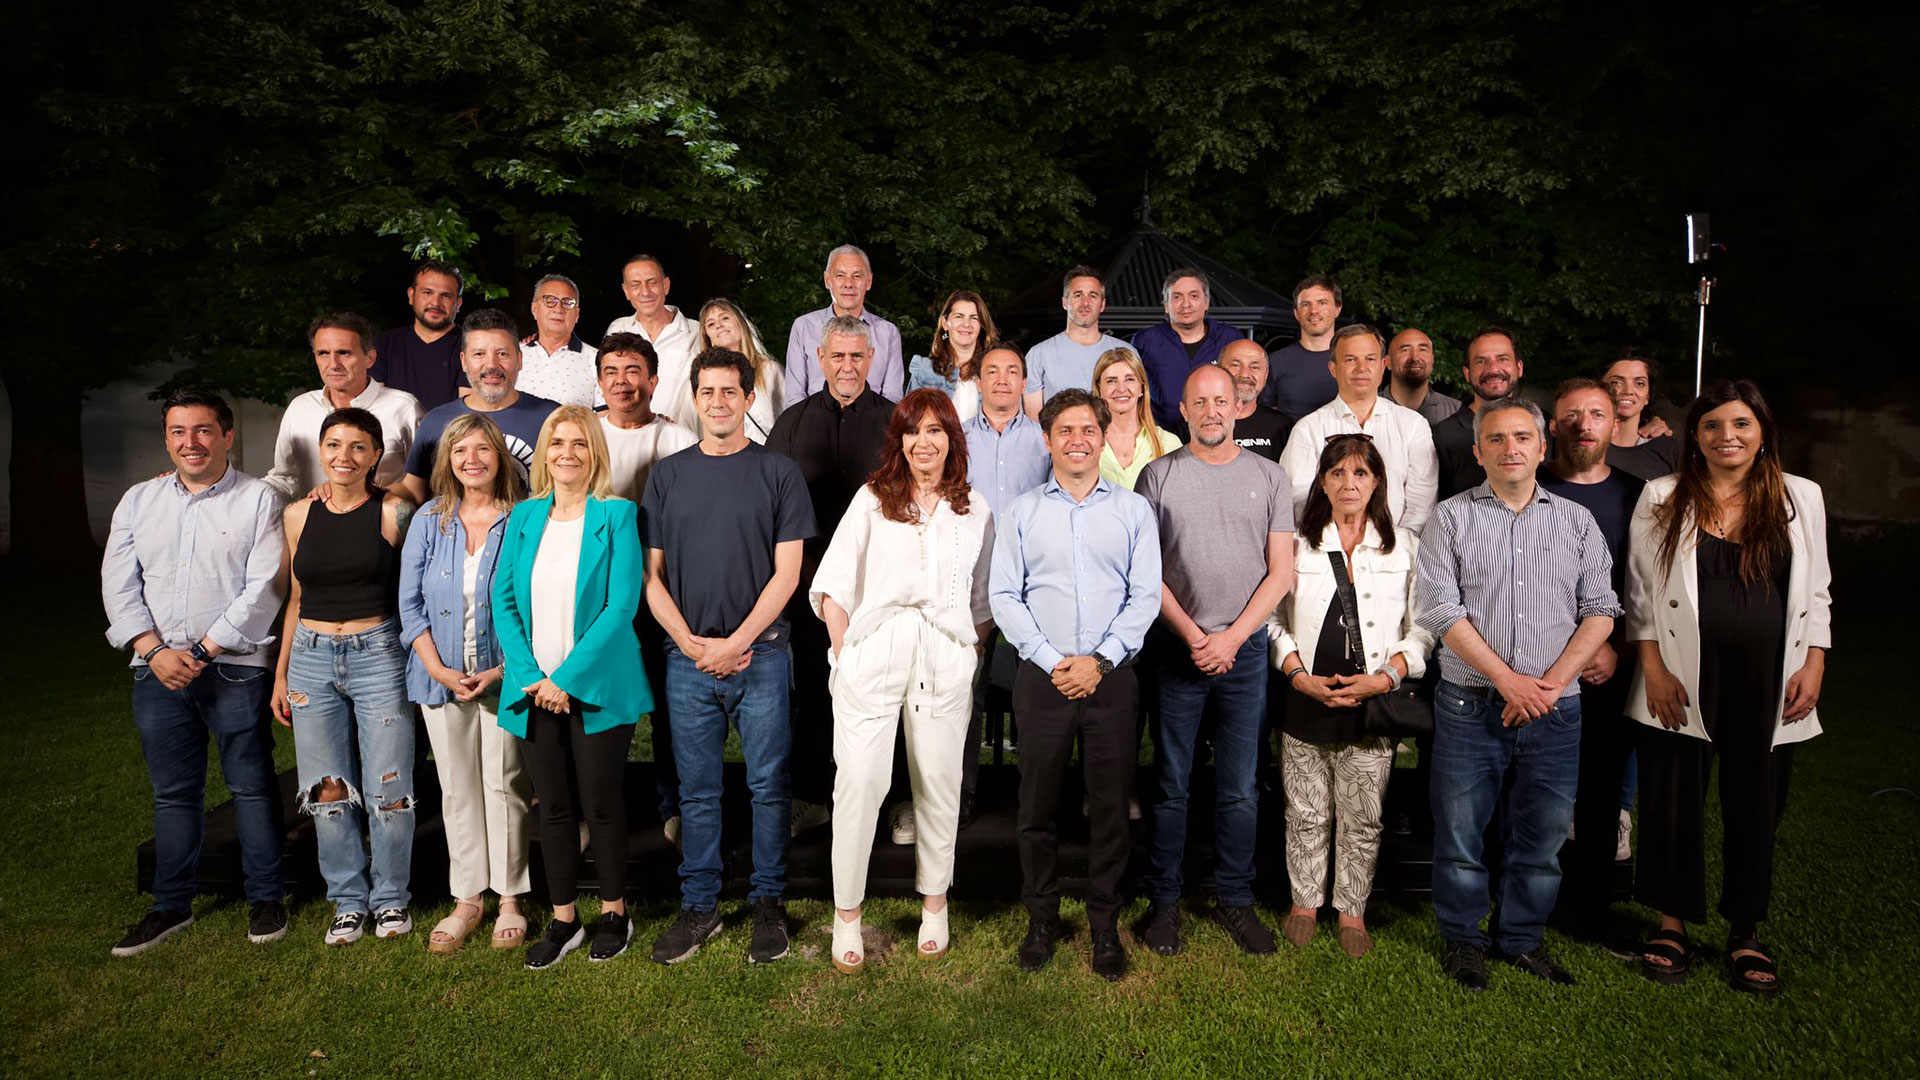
1484	493
980	421
1052	486
574	344
218	486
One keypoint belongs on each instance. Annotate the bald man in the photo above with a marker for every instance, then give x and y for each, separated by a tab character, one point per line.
1409	367
1255	427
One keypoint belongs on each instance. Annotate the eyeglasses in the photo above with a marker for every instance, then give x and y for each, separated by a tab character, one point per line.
553	301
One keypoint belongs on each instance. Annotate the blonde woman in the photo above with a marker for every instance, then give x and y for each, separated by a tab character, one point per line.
724	326
1133	439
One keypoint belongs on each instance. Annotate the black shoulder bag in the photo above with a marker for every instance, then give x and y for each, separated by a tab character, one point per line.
1397	714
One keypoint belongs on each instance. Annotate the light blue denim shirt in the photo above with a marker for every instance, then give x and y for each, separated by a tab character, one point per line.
432	600
921	376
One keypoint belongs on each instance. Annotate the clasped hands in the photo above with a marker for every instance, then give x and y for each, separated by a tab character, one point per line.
1342	691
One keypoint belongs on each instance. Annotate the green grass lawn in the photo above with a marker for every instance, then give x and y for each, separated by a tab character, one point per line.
208	1004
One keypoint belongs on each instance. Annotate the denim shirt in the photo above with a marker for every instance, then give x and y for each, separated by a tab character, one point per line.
921	376
431	601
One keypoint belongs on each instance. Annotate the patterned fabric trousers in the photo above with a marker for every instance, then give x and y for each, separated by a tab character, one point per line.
1334	792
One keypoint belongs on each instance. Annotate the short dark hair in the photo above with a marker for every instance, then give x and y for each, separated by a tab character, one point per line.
642	257
621	341
490	318
1173	278
1083	270
358	419
1574	386
436	266
1320	281
1004	347
1489	331
198	399
1073	397
721	358
351	322
1638	356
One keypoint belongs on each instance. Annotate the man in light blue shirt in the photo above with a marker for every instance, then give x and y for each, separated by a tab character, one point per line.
1075	585
848	276
191	581
1006	453
1065	360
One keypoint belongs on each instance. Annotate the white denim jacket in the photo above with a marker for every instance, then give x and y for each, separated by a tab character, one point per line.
1383	588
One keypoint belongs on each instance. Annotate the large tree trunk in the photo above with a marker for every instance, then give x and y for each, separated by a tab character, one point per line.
48	476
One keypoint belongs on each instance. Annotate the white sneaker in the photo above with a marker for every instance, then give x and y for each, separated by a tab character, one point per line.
346	928
392	922
671	829
807	815
1133	808
1623	840
904	831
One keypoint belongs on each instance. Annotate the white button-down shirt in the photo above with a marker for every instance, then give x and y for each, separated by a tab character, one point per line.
296	451
876	568
566	376
1404	439
673	393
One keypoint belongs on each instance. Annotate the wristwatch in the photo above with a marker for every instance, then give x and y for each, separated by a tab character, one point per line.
1105	665
199	652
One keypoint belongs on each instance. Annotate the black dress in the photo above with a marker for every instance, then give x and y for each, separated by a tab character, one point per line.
1743	645
1312	721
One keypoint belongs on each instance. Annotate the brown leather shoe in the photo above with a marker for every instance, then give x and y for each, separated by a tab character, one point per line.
1355	941
1298	929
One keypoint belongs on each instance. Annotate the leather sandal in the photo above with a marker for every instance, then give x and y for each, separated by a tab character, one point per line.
510	927
847	940
1742	969
454	929
1673	947
933	932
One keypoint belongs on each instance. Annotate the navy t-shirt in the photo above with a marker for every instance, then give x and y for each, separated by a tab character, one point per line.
519	422
429	370
1298	381
717	520
1611	502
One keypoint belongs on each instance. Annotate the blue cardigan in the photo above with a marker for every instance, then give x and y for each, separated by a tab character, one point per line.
432	578
603	674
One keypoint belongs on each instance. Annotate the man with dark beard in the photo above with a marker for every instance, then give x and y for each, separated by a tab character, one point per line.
423	357
1493	370
1409	366
1582	423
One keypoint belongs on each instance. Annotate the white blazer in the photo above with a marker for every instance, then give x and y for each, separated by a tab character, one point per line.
1666	609
1383	591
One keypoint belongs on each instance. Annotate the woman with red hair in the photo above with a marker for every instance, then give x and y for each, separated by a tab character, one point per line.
903	591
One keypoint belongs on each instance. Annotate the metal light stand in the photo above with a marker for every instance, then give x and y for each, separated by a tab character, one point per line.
1703	296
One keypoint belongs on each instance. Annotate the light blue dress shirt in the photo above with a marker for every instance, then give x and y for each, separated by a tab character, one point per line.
887	376
1003	465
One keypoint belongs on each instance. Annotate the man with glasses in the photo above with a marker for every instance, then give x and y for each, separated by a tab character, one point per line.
554	363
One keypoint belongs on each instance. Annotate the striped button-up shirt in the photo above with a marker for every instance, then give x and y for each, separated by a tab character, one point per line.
1524	580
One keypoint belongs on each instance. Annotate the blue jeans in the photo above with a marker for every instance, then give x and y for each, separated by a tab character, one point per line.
1236	703
348	692
755	702
230	703
1476	762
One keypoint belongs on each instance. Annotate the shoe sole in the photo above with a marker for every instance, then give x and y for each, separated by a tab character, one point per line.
384	934
699	941
595	959
781	955
136	950
344	939
578	939
262	939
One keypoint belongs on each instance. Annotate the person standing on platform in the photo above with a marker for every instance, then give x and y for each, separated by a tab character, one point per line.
963	334
724	326
1642	444
838	436
422	358
1404	439
1493	370
1514	581
1255	427
1225	519
191	581
724	523
1732	614
848	276
1075	585
1133	439
555	364
674	337
1065	360
1410	369
340	345
1299	381
1187	340
490	352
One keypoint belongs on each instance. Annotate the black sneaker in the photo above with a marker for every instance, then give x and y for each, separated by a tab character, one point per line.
610	936
560	939
1245	928
684	938
1161	932
1037	949
1540	966
151	930
769	931
346	928
266	921
1467	965
1109	956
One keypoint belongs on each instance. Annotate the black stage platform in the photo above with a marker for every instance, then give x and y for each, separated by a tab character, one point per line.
987	865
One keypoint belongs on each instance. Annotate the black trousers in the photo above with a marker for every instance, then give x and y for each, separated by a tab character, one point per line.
1675	771
653	654
561	756
1607	739
810	761
1104	723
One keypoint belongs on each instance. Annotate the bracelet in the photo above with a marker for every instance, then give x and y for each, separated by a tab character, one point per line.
1288	675
147	656
1393	679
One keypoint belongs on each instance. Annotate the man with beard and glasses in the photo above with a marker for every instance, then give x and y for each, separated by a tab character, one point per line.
1583	423
1409	367
423	357
490	353
1255	427
1404	440
1493	370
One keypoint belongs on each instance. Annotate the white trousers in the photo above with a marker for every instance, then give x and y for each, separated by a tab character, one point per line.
904	671
483	799
1334	795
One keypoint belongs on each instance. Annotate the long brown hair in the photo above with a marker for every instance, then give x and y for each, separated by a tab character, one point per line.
945	364
892	482
1763	532
1318	513
508	488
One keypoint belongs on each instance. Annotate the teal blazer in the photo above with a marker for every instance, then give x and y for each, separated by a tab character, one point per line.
603	674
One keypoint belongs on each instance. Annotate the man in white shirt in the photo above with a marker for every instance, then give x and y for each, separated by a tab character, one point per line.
554	363
674	338
1403	436
1066	359
848	276
343	351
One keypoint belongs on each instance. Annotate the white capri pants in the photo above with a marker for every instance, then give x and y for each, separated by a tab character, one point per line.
483	797
1334	795
904	671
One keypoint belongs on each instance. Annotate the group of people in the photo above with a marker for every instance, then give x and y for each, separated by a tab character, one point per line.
840	553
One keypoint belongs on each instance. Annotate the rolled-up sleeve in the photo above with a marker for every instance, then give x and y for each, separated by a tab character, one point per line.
122	585
840	568
246	625
414	555
1437	580
1594	593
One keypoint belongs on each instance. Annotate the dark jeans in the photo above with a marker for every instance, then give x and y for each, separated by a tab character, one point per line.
1675	775
811	754
560	754
755	702
1048	723
228	702
1233	707
1476	762
1607	737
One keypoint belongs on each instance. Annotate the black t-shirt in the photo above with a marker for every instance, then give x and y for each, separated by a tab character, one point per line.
1611	502
837	448
1264	432
429	370
1651	460
717	519
1298	381
1453	445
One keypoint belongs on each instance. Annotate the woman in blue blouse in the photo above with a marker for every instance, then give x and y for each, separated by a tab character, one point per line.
964	336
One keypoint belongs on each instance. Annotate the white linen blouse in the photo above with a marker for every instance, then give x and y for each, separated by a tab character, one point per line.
1383	591
875	568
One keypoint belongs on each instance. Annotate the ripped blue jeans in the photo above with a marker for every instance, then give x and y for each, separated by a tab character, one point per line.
352	724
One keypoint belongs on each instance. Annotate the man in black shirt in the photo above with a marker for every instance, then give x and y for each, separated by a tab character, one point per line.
1493	370
837	435
423	357
1298	380
1255	427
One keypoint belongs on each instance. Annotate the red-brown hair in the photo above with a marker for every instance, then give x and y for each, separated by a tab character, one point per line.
892	482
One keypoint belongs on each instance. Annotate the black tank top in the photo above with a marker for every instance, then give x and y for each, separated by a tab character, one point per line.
345	567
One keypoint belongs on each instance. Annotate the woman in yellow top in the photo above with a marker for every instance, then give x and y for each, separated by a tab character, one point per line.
1133	439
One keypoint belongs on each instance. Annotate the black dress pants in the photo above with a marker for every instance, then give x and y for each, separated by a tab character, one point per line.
1104	723
1675	772
810	761
1607	738
560	755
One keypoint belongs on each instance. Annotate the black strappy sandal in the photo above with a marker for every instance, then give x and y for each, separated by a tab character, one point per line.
1742	969
1673	947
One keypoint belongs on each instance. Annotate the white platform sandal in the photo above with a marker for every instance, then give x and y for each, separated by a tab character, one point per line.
933	932
847	941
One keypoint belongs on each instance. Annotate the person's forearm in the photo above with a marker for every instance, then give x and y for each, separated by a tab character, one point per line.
837	622
773	600
1266	597
1177	618
1469	646
287	629
666	612
1587	639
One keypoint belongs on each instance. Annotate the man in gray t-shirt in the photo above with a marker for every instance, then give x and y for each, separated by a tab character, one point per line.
1226	542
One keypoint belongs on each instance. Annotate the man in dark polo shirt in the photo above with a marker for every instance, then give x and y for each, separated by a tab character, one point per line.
1255	427
1493	370
423	357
